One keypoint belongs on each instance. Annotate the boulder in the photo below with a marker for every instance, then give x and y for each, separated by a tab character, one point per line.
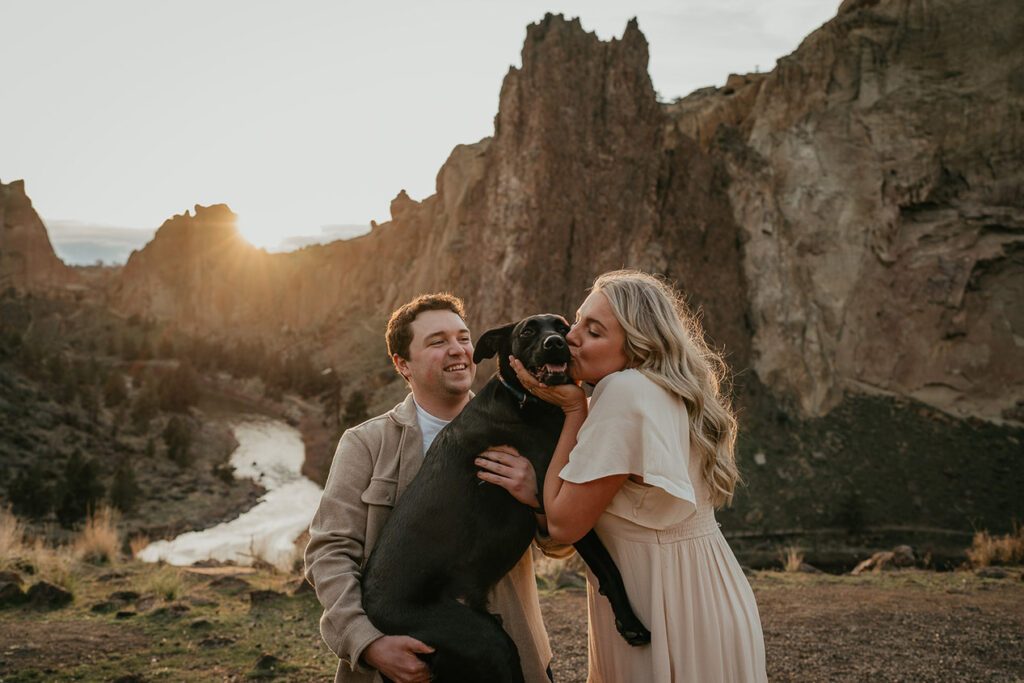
11	594
991	572
8	576
48	596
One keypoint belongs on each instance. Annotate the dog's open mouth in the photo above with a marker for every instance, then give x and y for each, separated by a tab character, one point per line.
551	373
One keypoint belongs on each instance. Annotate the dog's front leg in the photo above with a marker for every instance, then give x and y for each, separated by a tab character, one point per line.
610	585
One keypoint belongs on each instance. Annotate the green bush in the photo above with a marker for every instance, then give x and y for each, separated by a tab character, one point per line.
80	489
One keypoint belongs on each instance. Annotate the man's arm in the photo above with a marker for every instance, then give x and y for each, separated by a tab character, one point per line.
334	556
335	552
502	465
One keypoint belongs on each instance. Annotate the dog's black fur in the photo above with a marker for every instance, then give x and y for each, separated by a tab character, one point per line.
452	536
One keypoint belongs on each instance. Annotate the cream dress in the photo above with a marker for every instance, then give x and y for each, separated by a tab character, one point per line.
681	576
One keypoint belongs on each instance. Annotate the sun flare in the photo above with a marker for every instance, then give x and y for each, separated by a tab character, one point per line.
261	233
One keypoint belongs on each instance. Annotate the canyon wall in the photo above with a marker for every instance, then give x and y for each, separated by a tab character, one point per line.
851	221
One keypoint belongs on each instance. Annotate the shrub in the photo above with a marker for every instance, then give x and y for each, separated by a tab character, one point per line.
792	558
12	538
166	583
178	390
987	550
143	409
114	391
124	490
178	437
80	489
137	543
31	492
225	472
55	564
100	540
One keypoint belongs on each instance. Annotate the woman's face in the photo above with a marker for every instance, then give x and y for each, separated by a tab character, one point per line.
596	341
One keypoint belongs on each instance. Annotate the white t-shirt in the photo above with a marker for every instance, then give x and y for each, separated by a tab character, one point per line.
429	425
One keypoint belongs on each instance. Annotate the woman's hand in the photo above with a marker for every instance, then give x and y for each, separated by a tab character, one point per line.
502	465
569	397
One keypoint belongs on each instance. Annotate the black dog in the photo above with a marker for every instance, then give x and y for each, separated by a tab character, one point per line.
452	537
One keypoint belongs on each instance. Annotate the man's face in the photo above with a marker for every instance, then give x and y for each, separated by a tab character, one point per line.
440	362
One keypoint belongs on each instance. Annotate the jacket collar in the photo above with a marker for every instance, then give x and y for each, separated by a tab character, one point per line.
404	413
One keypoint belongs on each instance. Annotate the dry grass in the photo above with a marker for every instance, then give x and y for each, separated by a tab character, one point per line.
12	538
137	543
56	564
989	550
167	582
792	558
100	541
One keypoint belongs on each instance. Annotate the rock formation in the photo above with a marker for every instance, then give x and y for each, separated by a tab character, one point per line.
877	175
27	260
851	221
575	181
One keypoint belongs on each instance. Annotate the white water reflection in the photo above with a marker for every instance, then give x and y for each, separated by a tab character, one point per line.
271	453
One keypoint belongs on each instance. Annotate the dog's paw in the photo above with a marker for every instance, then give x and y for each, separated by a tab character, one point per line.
635	634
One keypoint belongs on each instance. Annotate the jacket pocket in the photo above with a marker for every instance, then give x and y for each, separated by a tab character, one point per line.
379	498
381	491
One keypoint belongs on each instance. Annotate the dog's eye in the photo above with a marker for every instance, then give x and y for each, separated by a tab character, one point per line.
527	332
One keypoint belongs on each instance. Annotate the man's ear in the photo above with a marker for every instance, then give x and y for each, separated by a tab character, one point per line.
401	365
489	343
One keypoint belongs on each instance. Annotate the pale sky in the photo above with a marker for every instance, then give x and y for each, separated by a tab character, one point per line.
303	115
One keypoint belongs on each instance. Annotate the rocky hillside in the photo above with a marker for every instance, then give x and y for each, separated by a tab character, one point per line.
27	260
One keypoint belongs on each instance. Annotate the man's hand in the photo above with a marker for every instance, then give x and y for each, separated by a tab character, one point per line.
502	465
395	657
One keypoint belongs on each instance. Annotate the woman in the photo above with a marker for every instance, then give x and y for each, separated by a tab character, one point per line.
645	464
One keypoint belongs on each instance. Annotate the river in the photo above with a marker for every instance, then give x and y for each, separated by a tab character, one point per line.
271	453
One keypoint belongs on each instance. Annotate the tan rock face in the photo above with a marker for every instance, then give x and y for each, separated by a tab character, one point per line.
27	260
852	220
877	176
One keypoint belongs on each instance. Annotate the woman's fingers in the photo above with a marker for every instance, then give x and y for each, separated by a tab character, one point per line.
525	378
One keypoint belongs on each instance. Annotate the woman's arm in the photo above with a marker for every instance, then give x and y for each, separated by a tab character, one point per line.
571	509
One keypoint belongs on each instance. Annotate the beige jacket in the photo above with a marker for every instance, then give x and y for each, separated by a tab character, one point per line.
372	467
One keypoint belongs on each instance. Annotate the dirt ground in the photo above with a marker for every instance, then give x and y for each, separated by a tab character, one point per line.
914	626
902	626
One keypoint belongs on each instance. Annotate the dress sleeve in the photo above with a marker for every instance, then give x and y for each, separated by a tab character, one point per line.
634	427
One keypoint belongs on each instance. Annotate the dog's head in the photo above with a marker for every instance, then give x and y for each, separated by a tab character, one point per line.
539	344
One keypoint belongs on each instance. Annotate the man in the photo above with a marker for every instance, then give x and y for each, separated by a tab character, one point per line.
431	348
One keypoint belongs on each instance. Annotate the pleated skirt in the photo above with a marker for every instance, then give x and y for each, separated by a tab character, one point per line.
687	587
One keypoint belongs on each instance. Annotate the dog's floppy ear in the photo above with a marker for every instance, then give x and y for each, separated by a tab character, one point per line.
489	343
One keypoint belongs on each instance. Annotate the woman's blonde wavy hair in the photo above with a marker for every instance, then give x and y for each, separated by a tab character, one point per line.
667	344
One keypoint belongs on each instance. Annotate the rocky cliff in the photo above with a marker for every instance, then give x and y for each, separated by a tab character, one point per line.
27	260
877	175
851	221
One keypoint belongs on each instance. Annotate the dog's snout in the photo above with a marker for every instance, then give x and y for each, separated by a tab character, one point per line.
554	341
